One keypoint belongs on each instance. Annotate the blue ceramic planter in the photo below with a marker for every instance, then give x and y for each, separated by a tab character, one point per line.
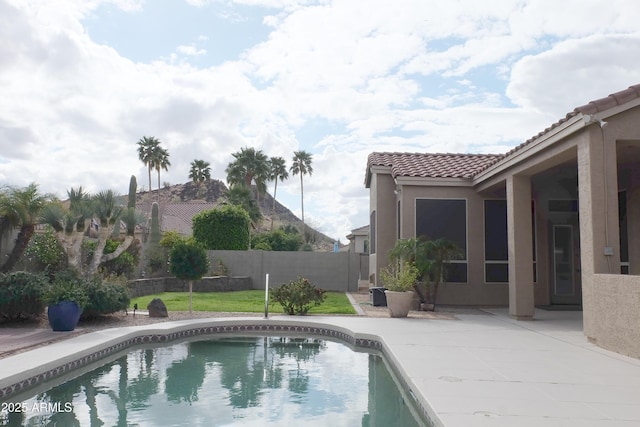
64	316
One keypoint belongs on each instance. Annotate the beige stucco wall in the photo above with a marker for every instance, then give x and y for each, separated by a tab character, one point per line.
382	201
476	291
612	312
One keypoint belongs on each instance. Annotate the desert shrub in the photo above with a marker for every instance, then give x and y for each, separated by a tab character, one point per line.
157	259
88	247
121	266
21	295
110	246
220	269
297	297
105	296
277	240
66	286
46	251
225	228
261	246
170	238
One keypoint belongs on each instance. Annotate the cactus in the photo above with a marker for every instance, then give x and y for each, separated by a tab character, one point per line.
133	185
155	224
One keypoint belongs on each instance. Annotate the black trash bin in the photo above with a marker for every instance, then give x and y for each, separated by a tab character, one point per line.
378	297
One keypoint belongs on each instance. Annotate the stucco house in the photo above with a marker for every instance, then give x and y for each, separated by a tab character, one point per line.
554	222
359	240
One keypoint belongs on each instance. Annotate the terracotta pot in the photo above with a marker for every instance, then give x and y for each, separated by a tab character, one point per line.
399	303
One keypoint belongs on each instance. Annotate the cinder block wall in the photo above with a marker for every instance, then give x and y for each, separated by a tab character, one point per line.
333	271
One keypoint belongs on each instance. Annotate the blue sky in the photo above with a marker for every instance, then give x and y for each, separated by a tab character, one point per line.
83	80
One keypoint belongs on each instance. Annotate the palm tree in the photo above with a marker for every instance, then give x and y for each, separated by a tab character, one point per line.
301	165
249	166
278	172
239	195
148	147
20	208
161	161
199	173
431	257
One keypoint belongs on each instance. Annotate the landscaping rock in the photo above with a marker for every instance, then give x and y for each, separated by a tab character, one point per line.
157	308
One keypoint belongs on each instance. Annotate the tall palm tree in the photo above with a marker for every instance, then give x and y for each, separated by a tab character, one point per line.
199	173
301	165
250	165
148	147
278	171
20	208
161	161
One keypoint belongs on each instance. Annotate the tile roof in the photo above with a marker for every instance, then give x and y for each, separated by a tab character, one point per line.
178	216
593	107
428	165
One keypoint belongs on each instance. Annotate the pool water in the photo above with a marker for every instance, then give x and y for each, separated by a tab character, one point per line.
244	381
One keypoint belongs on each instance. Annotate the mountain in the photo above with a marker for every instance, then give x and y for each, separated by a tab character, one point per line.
213	192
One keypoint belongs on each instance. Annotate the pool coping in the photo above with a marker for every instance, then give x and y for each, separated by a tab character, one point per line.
62	357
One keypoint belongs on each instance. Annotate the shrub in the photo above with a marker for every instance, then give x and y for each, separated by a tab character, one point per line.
21	295
157	259
47	251
189	260
221	269
105	297
399	277
277	240
121	266
225	228
170	238
297	297
66	286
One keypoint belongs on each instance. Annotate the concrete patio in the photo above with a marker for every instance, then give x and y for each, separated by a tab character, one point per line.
478	370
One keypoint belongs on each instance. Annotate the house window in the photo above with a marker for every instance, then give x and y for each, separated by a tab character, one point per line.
445	218
372	233
496	251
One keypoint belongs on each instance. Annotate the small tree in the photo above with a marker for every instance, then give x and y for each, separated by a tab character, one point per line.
431	257
188	261
225	228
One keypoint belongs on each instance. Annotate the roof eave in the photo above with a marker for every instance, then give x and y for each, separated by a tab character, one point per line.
434	181
375	169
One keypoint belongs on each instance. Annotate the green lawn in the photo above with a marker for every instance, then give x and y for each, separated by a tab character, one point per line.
240	301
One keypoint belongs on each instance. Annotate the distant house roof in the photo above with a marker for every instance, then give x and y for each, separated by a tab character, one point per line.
178	216
360	231
466	166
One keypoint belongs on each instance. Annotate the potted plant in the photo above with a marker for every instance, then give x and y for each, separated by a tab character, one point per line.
431	257
65	299
399	280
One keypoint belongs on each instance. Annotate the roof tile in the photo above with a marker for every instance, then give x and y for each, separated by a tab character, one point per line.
428	165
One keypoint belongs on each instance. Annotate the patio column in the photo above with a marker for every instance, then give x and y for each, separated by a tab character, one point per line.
598	200
519	234
599	233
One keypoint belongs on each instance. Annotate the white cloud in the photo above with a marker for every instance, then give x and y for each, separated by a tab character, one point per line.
384	76
191	50
575	71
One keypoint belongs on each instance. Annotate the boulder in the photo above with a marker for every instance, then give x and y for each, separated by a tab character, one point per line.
157	308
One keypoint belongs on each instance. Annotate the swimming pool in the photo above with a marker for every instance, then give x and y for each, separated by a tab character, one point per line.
238	380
